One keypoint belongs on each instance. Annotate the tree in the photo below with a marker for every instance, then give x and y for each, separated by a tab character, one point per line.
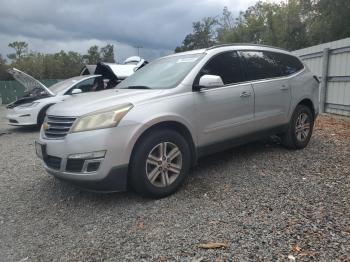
226	27
32	64
294	34
20	50
291	24
63	64
3	68
93	55
327	20
107	53
204	35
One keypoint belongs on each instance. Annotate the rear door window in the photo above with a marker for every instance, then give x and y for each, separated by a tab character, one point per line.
261	65
226	65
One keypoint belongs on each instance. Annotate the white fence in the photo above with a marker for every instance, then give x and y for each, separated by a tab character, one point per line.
331	63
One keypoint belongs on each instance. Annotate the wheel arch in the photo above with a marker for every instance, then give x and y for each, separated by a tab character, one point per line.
308	102
177	126
42	110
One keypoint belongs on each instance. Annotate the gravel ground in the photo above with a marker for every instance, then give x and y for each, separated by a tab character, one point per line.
261	201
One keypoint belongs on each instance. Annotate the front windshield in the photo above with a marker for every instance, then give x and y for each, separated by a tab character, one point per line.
163	73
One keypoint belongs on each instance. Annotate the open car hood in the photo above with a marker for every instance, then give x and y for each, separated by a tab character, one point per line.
29	82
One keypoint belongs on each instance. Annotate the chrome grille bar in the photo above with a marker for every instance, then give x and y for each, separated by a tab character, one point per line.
58	126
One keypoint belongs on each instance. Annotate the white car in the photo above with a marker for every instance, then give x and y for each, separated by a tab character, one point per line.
31	108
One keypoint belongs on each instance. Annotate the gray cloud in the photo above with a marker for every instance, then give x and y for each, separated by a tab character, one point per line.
157	25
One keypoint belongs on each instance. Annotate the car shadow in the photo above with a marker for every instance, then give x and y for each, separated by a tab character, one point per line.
55	190
251	149
19	129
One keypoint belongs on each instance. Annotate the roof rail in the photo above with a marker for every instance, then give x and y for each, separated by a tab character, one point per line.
249	44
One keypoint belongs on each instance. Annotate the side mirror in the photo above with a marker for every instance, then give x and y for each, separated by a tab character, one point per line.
76	91
209	81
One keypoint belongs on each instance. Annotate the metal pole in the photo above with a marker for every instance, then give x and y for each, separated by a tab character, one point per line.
138	49
323	91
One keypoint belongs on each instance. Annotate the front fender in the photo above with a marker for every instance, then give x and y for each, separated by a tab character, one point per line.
156	120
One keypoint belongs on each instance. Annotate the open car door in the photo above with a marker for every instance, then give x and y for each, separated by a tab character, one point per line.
118	71
88	70
29	82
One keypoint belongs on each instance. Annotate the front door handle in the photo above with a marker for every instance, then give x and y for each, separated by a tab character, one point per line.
284	87
245	94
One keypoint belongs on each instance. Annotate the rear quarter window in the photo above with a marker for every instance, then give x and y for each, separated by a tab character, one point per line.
288	64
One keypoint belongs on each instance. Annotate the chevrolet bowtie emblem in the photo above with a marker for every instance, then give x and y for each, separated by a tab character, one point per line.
46	125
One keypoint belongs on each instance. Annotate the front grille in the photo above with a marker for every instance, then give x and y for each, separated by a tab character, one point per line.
53	161
58	126
74	165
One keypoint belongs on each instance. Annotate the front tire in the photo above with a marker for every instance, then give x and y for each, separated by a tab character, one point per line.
300	128
160	163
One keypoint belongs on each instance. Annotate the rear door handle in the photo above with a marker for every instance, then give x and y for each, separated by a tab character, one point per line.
284	87
245	94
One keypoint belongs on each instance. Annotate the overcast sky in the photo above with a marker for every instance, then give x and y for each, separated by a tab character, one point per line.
157	25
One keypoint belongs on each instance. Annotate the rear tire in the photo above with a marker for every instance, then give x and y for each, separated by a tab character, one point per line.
159	164
299	129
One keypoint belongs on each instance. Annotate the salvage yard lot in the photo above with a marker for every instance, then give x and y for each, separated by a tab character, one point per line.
261	201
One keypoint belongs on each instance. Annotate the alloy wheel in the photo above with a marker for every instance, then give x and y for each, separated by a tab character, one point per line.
302	127
164	164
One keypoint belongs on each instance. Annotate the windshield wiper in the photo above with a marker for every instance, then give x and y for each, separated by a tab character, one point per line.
137	87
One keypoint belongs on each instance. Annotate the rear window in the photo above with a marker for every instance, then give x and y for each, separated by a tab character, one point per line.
260	65
288	64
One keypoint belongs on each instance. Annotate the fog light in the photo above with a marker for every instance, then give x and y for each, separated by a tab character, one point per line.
93	166
91	155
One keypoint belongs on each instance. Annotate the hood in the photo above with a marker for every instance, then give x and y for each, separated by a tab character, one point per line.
90	102
29	82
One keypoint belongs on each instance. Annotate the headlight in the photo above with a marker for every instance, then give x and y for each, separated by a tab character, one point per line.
29	104
101	119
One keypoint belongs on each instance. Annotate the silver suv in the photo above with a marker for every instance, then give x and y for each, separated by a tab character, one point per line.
149	131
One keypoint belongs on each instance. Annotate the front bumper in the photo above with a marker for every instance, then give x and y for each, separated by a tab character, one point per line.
22	117
111	174
114	181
